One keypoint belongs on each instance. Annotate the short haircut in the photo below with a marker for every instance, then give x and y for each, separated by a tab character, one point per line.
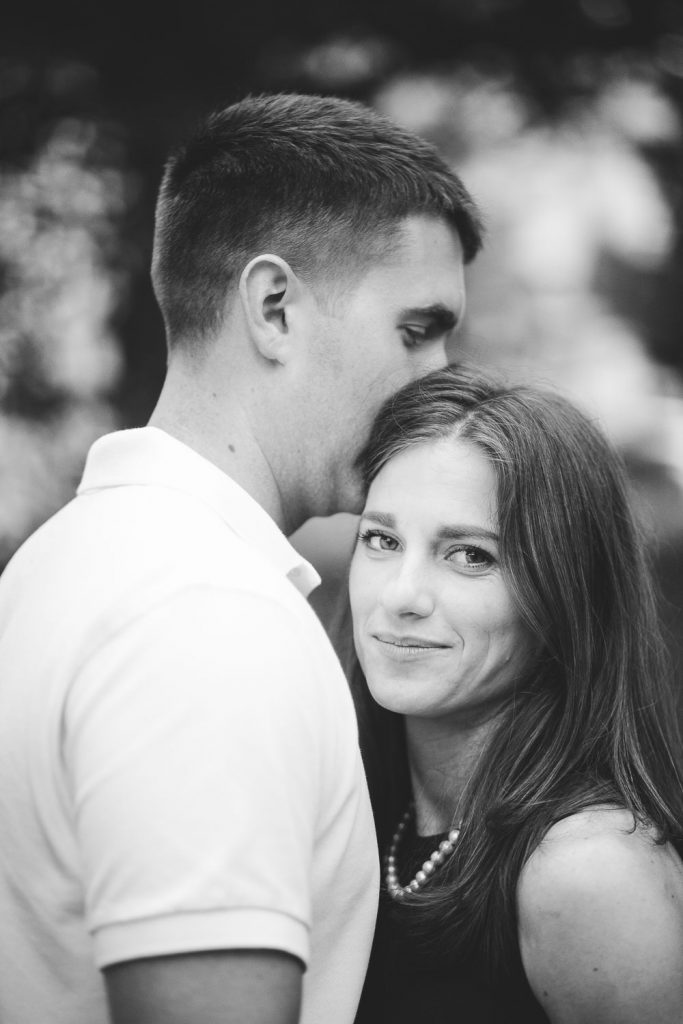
315	180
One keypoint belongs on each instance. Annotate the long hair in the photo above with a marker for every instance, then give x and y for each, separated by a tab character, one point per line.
593	722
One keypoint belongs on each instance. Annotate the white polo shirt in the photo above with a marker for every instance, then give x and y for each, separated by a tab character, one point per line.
179	765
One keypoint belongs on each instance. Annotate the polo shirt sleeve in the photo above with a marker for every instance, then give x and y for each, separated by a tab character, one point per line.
192	742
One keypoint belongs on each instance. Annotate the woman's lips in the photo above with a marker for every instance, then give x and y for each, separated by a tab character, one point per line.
406	645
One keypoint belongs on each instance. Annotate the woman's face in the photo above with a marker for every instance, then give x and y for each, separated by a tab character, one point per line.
435	626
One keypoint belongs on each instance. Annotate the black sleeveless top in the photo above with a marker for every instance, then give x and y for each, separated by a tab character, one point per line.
403	987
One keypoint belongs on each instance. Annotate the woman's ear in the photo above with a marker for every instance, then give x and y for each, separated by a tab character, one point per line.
268	287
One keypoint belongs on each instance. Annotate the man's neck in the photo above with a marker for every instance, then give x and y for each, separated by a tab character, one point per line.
225	437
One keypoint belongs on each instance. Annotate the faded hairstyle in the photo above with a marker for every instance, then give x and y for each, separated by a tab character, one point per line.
593	721
319	181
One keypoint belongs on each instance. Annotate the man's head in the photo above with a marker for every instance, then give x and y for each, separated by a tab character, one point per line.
322	182
334	241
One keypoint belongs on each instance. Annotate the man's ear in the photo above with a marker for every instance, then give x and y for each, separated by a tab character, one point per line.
268	288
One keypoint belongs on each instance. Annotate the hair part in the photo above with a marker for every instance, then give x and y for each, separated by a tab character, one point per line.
594	720
320	181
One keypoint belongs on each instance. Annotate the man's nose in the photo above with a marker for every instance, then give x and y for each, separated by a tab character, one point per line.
436	356
408	591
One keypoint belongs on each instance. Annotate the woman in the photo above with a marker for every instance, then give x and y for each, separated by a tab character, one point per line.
520	742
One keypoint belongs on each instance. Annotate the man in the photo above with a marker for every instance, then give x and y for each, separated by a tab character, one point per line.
182	799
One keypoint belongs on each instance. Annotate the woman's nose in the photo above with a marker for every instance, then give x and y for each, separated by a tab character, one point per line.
408	592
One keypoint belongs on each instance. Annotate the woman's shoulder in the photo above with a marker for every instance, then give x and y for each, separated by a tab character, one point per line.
600	905
602	846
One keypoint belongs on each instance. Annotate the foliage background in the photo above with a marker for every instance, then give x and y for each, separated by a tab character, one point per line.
564	119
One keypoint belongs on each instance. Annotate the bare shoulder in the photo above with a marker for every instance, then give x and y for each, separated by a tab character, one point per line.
599	848
600	907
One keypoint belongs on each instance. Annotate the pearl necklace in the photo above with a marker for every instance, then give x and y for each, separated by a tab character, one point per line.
442	853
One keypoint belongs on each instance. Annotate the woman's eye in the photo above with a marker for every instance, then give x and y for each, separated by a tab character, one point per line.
378	541
468	557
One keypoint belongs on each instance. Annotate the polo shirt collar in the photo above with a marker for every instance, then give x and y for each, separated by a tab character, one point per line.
150	456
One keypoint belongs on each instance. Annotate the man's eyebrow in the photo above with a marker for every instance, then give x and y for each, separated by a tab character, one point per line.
442	317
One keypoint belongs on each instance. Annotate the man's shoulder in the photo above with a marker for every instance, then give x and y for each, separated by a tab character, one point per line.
145	529
112	555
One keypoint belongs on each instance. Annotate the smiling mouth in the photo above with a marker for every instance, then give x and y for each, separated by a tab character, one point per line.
409	644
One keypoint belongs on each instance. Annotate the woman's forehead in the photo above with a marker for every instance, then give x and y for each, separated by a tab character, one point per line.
447	481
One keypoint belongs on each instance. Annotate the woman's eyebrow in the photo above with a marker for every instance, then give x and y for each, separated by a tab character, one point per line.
381	518
466	530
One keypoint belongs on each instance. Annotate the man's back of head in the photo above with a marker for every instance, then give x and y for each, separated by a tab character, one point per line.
317	180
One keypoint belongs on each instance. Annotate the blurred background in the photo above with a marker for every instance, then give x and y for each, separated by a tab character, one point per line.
565	120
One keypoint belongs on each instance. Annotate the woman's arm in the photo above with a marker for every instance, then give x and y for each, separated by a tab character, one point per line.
601	923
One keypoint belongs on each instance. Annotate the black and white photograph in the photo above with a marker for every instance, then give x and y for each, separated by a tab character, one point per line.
341	512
